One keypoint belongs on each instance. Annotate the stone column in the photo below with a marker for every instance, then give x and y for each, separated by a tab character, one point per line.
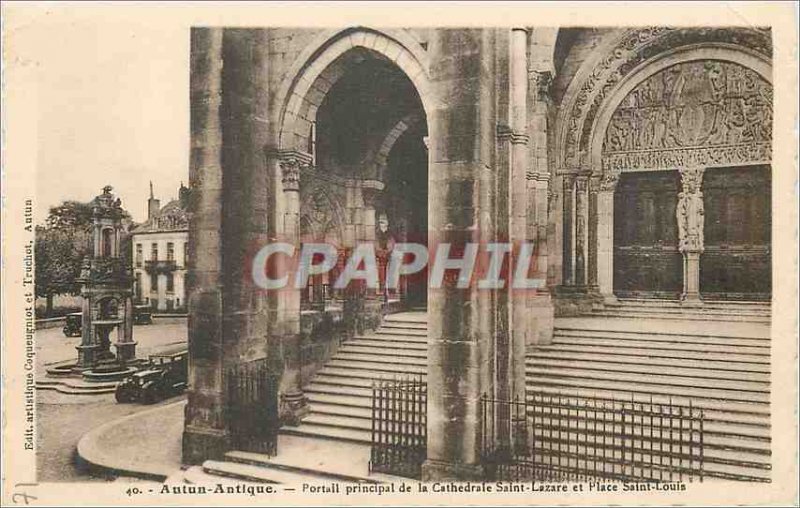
591	243
690	231
370	194
605	236
581	229
520	324
461	182
87	348
294	405
126	346
205	434
540	305
568	252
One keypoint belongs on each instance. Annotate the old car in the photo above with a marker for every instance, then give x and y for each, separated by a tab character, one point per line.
163	377
142	315
73	325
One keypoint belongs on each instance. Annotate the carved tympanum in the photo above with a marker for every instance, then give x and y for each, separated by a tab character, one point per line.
694	113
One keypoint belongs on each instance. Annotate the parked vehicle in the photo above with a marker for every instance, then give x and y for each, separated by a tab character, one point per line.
74	324
164	377
142	315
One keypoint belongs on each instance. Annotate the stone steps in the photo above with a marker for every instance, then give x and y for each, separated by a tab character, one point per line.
664	353
407	333
74	386
393	338
665	337
647	345
722	369
708	307
732	315
663	303
383	343
301	460
723	365
315	462
670	369
364	347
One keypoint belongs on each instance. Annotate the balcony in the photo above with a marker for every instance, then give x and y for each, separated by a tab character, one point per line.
160	266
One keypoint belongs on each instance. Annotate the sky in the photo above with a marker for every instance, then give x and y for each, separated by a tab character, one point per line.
112	108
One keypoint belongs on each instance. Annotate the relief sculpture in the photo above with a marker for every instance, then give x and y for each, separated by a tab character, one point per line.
703	111
690	211
320	217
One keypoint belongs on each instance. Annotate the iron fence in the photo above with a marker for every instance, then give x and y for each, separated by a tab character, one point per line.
552	437
252	406
399	426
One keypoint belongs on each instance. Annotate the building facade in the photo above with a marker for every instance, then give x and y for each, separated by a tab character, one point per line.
160	251
637	160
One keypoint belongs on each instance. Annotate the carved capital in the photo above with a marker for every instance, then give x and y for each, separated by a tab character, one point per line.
608	181
291	162
594	184
568	181
370	191
540	82
581	183
290	176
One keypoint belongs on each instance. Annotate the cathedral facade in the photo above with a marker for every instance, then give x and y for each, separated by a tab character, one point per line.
636	160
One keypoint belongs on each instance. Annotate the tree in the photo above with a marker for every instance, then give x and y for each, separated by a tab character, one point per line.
62	243
70	215
59	254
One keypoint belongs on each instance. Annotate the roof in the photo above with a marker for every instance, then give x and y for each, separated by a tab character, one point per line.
171	217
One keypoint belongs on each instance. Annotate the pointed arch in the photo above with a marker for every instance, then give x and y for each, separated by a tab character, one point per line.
320	66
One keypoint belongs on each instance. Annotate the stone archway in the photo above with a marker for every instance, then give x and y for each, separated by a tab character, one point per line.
688	113
302	94
350	96
591	169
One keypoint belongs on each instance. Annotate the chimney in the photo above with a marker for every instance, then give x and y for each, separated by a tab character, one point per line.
153	205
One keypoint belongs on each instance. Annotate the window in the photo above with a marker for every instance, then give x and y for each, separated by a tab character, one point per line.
185	254
154	252
170	251
138	255
154	282
170	282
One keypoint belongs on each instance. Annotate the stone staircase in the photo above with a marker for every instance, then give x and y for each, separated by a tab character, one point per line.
723	367
734	311
302	460
340	394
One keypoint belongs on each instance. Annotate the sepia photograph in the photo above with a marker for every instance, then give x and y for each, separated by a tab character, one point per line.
343	261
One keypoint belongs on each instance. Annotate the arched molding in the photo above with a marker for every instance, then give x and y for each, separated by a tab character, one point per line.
321	64
616	57
698	52
379	159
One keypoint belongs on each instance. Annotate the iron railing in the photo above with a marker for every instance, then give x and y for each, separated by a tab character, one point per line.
399	426
252	406
551	437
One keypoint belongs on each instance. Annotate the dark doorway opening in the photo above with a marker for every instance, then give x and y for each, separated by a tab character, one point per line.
737	263
647	263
